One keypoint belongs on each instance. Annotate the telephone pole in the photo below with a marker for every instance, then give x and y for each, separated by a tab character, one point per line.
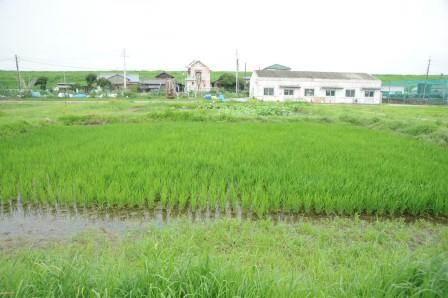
245	76
426	80
18	74
237	85
124	69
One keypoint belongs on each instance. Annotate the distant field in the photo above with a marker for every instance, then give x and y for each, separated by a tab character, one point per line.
8	78
387	78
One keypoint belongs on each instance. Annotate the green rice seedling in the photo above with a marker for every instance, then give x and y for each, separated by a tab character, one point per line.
296	166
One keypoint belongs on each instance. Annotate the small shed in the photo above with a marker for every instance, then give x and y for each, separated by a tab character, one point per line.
65	87
152	85
116	79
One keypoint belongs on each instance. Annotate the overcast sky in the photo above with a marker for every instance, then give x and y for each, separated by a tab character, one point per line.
375	36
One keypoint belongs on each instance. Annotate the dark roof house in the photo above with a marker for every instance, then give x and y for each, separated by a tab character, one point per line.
164	75
156	84
117	79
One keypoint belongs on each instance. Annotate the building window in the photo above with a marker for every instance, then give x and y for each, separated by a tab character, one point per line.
330	92
269	91
309	92
369	93
349	93
288	92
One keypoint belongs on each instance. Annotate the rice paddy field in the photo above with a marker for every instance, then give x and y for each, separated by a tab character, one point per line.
177	156
369	184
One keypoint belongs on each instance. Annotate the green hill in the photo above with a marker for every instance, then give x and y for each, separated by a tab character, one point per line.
8	78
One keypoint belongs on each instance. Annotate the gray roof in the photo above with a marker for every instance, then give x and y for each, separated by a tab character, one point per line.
153	82
134	78
314	75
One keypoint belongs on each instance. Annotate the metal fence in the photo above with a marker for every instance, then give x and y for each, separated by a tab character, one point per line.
433	92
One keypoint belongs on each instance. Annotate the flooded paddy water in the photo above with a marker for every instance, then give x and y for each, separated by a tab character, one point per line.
36	224
24	224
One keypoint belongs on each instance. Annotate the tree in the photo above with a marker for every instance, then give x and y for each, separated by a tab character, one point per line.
90	79
228	81
42	82
104	84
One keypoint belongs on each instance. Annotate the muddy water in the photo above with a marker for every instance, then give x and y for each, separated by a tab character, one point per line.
34	225
23	225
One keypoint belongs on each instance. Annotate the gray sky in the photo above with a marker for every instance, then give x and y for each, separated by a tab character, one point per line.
376	36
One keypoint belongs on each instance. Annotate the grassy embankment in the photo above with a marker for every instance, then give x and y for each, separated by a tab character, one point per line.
317	258
268	157
8	78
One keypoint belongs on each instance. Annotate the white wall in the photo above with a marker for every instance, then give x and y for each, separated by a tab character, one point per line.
205	78
257	85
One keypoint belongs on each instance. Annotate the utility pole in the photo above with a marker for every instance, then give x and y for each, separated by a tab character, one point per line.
426	80
124	69
245	76
18	74
237	85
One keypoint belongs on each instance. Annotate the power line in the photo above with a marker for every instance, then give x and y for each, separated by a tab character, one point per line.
43	62
57	65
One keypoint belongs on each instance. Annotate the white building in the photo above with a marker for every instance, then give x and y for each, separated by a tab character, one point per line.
310	86
198	77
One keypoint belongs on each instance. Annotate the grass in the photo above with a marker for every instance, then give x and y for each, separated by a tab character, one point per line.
390	78
268	157
428	123
318	258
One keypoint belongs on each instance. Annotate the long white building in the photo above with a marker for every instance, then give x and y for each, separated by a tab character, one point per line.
311	86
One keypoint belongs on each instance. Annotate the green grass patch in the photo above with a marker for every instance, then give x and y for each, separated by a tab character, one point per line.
318	258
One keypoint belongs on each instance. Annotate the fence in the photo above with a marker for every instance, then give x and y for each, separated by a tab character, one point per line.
416	92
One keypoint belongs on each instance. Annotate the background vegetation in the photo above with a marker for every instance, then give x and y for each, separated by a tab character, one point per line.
8	78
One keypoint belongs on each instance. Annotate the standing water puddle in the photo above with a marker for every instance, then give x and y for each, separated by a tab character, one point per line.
26	224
